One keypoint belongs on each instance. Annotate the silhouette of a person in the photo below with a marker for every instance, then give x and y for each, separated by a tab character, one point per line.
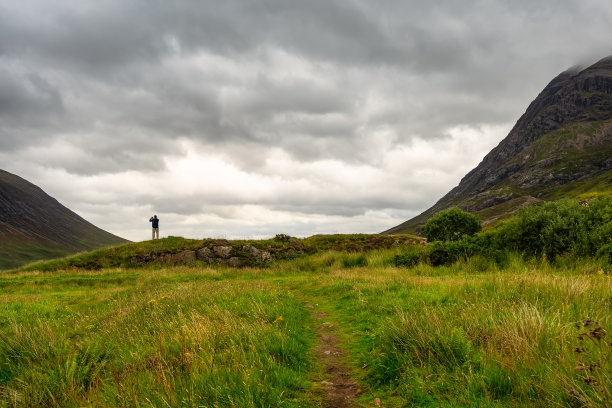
155	224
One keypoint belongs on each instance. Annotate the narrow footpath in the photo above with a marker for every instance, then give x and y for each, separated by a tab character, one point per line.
338	388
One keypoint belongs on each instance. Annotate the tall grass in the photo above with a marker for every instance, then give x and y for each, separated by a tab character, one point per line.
461	336
193	343
476	333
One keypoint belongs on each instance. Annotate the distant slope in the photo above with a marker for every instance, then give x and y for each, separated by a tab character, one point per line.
560	147
33	225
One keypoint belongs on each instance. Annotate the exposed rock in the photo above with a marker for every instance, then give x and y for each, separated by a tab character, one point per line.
257	254
266	257
205	254
222	251
184	257
234	262
140	260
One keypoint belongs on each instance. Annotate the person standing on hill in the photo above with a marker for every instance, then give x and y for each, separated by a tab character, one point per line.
155	224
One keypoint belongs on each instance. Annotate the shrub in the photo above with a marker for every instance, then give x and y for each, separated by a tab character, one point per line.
599	224
551	229
605	254
282	238
451	225
447	253
408	259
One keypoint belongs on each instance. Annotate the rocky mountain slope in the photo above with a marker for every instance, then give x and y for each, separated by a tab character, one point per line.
34	225
560	147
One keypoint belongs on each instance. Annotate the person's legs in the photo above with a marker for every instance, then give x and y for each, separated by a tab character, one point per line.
156	231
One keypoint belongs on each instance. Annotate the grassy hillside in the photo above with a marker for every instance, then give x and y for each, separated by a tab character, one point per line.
33	225
472	334
14	254
561	147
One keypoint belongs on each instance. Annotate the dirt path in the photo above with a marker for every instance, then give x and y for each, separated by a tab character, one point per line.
339	389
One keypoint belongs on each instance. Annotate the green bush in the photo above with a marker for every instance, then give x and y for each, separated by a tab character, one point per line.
605	254
408	259
599	224
444	253
550	229
282	238
451	225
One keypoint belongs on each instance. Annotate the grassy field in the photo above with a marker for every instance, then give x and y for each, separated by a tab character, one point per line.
471	334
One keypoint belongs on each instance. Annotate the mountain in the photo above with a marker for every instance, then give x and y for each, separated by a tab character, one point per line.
34	225
560	147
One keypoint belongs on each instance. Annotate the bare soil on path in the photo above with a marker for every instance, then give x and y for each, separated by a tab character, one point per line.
339	389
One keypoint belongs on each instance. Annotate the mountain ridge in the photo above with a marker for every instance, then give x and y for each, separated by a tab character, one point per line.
572	118
34	225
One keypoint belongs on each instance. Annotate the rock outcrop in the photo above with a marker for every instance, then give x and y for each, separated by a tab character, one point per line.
234	256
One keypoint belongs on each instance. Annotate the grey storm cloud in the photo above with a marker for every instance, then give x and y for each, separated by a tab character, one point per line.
107	63
93	88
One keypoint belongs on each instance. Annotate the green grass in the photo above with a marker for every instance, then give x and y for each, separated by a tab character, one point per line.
461	336
164	337
122	255
471	334
15	254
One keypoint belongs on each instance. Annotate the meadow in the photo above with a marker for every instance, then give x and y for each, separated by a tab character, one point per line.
472	334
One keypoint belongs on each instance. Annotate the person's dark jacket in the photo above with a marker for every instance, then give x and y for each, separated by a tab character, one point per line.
155	222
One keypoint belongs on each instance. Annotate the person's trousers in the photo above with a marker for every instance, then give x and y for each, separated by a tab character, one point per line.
155	233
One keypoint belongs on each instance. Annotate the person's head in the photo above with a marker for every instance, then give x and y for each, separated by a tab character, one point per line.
155	216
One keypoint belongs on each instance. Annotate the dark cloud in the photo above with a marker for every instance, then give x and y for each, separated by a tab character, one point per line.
28	97
112	87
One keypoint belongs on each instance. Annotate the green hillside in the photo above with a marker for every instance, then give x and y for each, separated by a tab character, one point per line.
561	147
33	225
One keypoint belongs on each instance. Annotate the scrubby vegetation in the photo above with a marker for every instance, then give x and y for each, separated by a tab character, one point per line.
484	320
281	247
451	225
550	230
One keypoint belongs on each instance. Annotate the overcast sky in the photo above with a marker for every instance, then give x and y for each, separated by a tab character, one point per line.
244	119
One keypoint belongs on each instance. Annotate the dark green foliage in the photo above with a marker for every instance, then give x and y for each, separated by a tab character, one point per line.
550	229
451	225
282	238
446	253
408	259
558	227
605	254
599	223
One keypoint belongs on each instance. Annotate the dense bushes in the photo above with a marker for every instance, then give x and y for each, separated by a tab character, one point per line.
559	227
408	259
451	225
548	230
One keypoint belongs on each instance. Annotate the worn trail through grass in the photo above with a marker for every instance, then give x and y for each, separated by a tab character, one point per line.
328	330
336	386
